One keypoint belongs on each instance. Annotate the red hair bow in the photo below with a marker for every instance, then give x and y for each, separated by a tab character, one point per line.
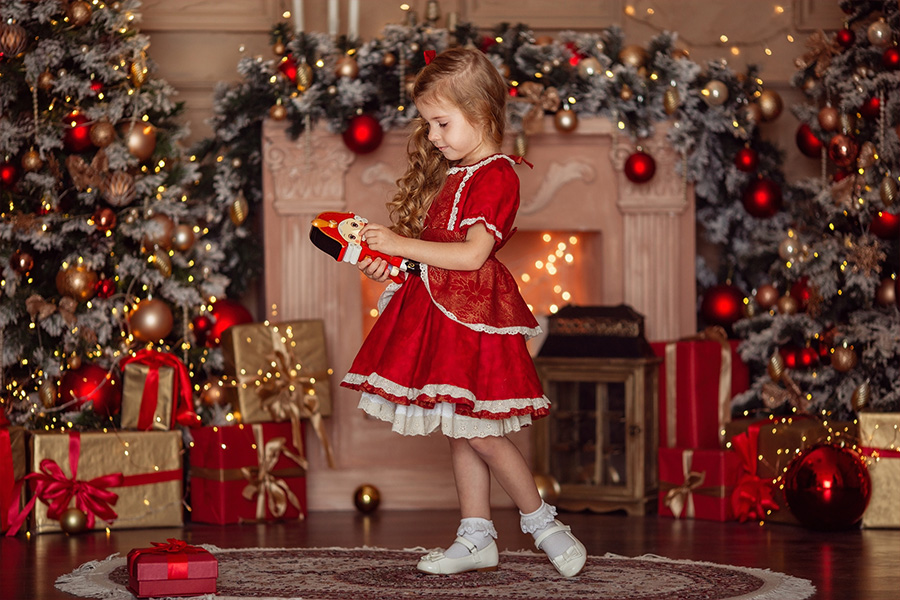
429	56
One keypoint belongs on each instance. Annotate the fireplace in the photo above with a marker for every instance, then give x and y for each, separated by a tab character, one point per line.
612	242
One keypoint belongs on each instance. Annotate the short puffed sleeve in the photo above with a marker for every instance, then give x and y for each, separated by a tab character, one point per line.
491	197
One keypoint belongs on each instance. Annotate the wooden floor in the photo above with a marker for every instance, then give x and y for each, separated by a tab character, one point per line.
858	564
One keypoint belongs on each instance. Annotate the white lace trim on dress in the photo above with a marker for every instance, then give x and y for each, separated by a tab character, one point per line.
470	170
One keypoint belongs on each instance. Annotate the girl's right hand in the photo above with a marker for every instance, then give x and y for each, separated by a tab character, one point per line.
376	269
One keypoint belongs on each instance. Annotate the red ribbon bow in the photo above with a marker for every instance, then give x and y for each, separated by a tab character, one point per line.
429	56
753	496
177	562
183	411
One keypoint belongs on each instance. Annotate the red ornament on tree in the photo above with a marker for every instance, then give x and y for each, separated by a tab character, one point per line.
790	356
762	198
640	167
845	38
77	133
746	160
201	326
363	134
827	487
722	305
288	68
891	59
9	174
90	383
807	141
105	288
885	225
842	150
226	313
871	107
801	293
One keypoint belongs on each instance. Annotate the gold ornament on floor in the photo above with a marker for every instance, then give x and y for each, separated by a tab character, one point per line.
547	487
633	56
13	39
347	67
565	120
140	138
843	358
47	392
278	112
770	105
31	160
366	498
888	190
73	521
671	100
239	210
102	134
119	189
138	70
76	281
861	396
183	237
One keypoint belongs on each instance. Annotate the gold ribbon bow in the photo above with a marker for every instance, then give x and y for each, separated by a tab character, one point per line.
821	49
288	395
86	175
679	497
40	309
269	490
542	100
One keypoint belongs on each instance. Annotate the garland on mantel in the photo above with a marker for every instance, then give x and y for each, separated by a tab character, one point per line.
360	89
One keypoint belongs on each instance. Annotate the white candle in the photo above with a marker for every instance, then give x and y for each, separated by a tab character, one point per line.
332	17
298	16
353	20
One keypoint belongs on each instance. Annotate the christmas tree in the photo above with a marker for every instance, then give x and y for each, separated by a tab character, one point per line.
106	249
824	337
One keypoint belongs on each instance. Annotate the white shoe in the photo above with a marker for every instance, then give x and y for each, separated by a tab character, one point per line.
570	562
436	563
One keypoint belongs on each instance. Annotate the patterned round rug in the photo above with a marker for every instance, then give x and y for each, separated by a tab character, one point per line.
375	574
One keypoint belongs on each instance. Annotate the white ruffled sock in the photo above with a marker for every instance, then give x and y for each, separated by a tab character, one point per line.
540	521
480	532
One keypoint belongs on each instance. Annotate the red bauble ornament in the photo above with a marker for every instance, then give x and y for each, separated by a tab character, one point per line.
288	68
885	225
226	313
827	487
9	174
871	108
808	357
90	383
96	87
201	326
105	288
845	38
842	150
891	59
790	356
363	134
801	293
807	141
746	160
762	198
839	175
640	167
77	136
722	305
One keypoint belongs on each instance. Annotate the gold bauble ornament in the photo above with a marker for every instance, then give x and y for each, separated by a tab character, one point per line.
861	396
588	67
163	263
73	521
183	237
789	248
547	487
752	113
150	320
520	147
775	367
47	392
138	71
671	100
102	134
389	59
633	56
45	80
788	305
278	112
347	67
366	498
21	261
159	232
829	118
79	13
888	190
76	281
239	210
31	160
304	76
140	138
565	120
74	361
886	293
847	123
119	189
13	39
212	392
714	93
843	358
767	296
770	105
626	93
879	33
278	48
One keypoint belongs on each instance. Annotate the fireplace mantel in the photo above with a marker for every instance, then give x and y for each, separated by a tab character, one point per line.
644	258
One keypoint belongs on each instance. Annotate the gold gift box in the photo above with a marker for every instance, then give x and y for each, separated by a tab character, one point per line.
140	456
879	435
263	358
135	377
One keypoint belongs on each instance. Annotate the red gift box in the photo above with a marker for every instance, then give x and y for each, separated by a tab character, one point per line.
698	379
697	484
247	473
172	569
157	392
13	466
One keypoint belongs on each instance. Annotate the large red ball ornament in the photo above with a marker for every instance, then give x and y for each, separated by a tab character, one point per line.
807	141
845	38
77	137
871	108
90	383
9	174
891	59
722	305
640	167
885	225
827	487
746	160
226	313
762	198
363	134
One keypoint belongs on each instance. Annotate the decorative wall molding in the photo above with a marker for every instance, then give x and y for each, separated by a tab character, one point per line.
210	15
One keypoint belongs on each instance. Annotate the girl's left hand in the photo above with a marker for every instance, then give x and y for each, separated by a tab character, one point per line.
382	239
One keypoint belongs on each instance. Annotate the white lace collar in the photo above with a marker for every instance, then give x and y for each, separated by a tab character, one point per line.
472	168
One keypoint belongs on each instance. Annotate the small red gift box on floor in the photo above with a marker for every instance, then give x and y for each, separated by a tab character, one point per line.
172	569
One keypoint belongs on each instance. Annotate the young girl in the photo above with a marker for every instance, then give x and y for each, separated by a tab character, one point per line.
448	350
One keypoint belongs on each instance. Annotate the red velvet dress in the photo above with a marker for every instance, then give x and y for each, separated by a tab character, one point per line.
448	351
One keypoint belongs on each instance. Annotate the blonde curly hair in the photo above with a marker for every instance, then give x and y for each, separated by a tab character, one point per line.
466	79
